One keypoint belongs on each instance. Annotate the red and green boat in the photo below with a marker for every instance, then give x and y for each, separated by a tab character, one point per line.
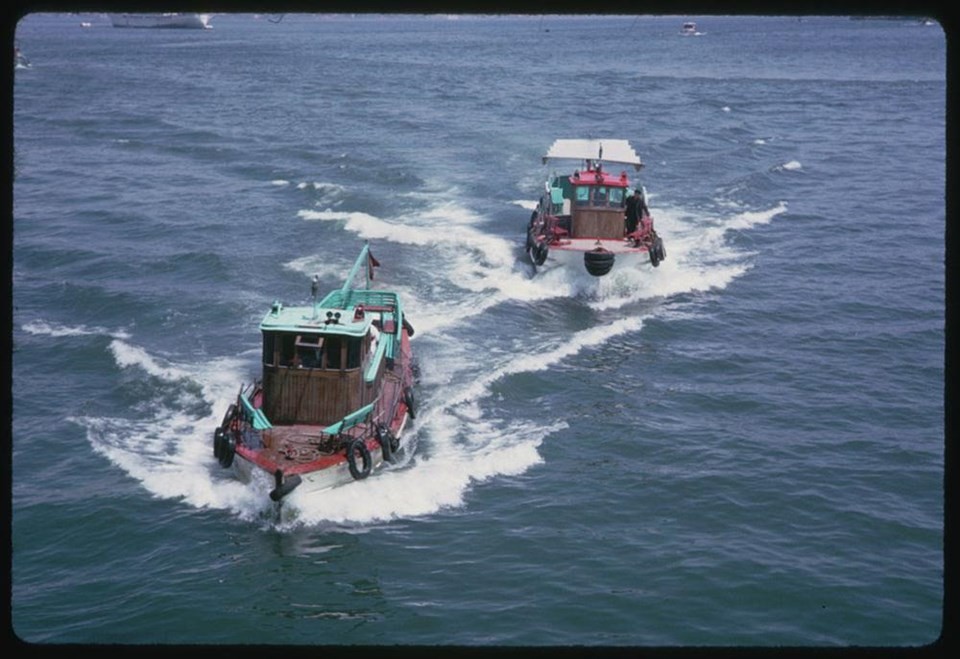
581	217
336	392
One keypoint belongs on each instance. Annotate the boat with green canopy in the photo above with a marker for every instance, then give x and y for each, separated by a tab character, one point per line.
336	392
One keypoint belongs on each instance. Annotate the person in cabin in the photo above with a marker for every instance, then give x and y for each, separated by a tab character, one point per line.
635	211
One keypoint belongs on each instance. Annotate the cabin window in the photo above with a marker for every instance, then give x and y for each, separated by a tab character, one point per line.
268	343
334	344
312	351
600	195
353	352
287	349
616	196
309	350
583	195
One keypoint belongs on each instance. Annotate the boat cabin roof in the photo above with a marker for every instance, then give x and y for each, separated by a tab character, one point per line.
303	320
604	150
333	315
602	177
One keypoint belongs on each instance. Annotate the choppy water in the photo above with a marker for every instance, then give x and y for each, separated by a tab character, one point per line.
744	446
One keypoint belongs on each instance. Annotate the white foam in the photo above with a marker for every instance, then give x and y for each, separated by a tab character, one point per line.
429	483
41	327
170	450
457	440
790	166
526	204
128	355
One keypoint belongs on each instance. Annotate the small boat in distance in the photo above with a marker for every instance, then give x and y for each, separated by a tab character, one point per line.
336	391
593	214
165	20
689	29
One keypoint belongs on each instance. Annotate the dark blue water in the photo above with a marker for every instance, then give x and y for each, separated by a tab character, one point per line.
744	446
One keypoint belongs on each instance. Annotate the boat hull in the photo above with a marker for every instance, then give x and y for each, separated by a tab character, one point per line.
572	254
328	476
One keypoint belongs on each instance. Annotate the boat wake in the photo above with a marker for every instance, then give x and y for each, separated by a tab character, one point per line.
166	445
43	328
458	439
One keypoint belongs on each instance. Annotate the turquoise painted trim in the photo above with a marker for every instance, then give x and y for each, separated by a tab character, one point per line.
371	373
257	417
361	260
350	420
301	320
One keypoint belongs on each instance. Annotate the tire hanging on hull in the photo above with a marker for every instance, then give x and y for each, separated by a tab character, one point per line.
410	402
228	449
217	442
359	446
388	443
598	262
657	252
538	252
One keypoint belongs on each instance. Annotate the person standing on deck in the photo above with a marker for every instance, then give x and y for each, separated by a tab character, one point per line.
635	211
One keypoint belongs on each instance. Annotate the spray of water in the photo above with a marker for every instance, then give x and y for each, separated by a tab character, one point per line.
457	441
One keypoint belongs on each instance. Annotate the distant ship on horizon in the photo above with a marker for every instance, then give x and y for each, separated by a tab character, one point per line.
165	20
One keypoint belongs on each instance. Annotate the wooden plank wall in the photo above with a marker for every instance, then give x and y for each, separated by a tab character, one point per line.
311	395
597	223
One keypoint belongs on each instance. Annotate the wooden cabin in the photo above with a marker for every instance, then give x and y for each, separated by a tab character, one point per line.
322	363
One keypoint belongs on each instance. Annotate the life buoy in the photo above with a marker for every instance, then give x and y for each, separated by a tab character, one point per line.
388	443
410	402
358	445
228	449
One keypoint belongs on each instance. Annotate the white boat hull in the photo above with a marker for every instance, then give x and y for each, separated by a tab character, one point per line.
571	255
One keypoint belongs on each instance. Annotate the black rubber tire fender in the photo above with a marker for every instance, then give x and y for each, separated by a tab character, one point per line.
354	447
411	402
386	441
539	253
228	449
217	441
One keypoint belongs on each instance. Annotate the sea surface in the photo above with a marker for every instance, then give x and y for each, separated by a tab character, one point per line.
743	446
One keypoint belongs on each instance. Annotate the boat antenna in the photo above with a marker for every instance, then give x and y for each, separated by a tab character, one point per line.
314	287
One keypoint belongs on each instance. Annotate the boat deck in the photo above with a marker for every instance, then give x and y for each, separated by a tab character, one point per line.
300	448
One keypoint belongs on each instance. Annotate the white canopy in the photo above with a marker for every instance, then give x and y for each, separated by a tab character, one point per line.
618	151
